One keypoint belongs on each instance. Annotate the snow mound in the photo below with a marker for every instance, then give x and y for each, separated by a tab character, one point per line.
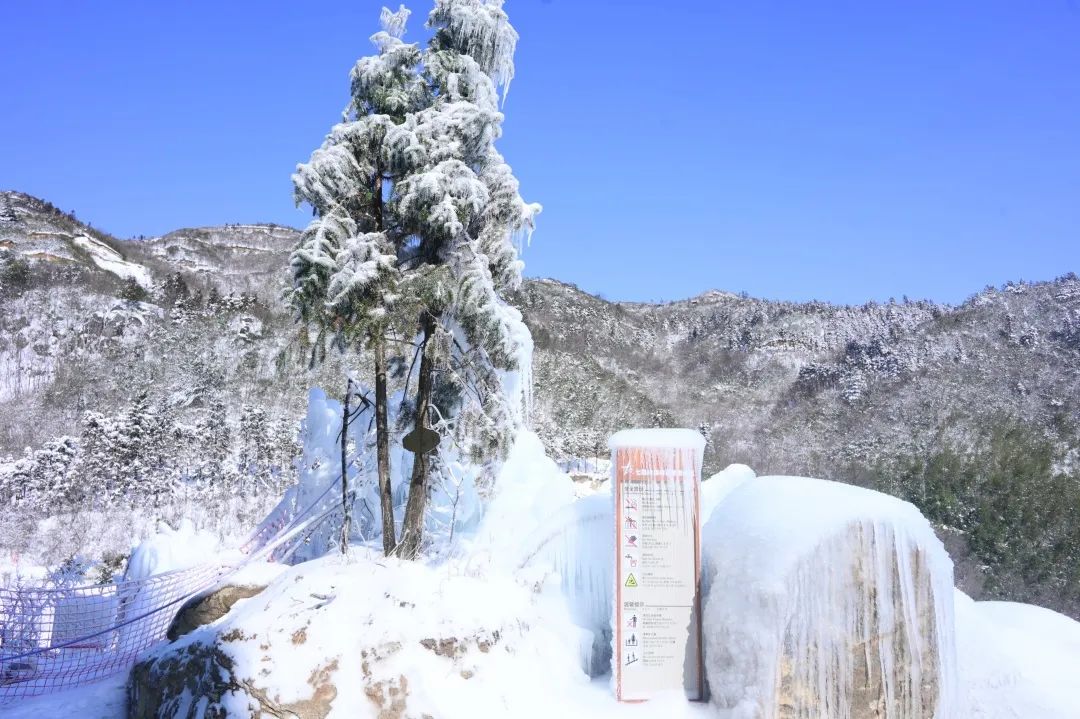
1017	660
171	549
720	485
373	637
826	600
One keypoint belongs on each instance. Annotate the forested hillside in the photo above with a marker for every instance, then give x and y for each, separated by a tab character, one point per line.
155	367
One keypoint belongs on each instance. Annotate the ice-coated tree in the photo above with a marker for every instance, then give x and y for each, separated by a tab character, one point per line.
417	218
463	212
345	269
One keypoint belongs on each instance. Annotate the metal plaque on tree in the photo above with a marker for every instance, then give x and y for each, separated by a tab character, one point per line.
421	440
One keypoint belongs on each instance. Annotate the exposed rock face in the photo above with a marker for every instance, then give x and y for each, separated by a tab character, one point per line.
198	681
208	607
911	669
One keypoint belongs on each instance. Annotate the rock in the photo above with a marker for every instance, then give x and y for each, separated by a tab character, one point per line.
209	607
826	600
200	680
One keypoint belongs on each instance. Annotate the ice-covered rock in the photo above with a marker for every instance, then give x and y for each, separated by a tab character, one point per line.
826	600
720	485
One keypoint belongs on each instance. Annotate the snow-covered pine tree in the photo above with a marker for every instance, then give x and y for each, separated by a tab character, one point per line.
215	444
345	268
18	479
52	471
462	213
416	220
97	466
139	442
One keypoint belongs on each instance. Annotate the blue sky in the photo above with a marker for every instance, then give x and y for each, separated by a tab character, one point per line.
834	150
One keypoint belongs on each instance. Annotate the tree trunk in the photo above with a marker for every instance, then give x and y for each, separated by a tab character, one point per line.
412	529
382	428
382	446
345	514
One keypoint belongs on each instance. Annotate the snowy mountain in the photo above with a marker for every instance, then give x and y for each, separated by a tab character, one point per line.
241	258
793	386
863	394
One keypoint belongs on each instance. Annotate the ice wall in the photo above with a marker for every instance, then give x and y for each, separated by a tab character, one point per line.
454	509
534	526
826	601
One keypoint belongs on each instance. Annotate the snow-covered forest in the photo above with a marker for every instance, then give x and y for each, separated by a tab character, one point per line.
206	355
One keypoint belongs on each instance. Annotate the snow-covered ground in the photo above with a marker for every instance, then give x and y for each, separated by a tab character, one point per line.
1016	661
476	638
110	260
104	700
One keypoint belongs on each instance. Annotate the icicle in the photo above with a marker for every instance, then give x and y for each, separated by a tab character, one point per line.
481	29
577	544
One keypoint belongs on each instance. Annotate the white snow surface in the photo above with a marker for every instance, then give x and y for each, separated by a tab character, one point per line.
720	485
110	260
664	437
106	699
1015	661
171	549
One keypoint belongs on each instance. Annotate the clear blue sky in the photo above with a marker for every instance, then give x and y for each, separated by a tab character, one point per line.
833	150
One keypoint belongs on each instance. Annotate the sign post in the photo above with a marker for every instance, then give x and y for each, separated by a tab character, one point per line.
657	630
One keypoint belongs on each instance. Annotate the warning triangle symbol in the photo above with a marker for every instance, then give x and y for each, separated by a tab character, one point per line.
630	581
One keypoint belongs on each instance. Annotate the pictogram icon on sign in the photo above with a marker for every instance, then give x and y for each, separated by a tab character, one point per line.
631	581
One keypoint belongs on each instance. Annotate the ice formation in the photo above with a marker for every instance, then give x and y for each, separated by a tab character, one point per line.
534	526
720	485
454	505
170	549
826	600
458	519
